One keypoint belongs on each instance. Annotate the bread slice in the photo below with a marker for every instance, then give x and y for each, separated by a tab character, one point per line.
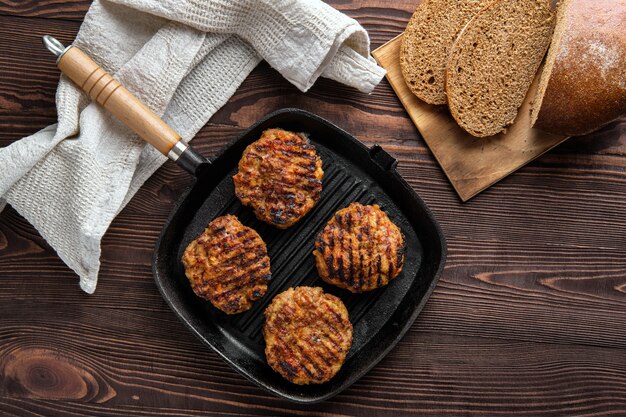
583	82
427	39
493	63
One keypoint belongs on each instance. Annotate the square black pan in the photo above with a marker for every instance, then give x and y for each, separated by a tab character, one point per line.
352	172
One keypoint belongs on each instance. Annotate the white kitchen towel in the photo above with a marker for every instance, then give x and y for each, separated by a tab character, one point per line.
184	59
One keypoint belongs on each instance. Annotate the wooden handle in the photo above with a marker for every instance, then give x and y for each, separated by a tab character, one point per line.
102	88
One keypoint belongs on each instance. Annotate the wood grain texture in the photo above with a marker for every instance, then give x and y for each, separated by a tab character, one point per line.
527	320
29	75
53	9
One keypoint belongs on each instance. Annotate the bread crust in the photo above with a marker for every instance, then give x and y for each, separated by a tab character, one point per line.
583	84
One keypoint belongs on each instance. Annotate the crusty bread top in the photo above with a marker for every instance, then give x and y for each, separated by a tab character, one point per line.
427	39
493	63
583	83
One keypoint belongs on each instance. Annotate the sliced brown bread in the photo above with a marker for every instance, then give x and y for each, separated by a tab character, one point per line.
427	39
583	83
494	61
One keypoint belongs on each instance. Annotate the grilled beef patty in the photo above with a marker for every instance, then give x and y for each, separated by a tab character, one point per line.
228	265
280	177
307	335
360	249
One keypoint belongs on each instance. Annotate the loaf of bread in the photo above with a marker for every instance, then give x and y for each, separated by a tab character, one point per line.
583	83
493	62
427	40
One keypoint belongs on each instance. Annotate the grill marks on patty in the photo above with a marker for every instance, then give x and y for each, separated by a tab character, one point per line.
228	265
307	335
280	177
360	249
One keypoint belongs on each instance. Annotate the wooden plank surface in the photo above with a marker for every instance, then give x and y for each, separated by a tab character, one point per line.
528	317
471	164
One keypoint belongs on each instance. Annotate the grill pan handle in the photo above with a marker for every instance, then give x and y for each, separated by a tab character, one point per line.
101	87
382	158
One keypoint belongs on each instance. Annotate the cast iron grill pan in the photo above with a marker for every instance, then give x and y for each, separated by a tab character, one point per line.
352	172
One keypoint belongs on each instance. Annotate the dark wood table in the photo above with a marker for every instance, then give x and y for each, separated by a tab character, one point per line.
529	317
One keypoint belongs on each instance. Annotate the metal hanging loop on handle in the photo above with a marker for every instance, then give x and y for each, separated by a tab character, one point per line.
54	46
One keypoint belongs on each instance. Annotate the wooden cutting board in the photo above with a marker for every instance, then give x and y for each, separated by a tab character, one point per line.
471	164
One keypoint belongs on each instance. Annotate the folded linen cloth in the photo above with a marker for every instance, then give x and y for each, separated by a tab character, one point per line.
184	59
